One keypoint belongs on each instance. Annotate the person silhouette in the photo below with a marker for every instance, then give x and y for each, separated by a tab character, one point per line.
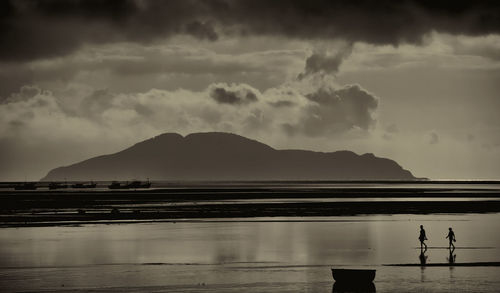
451	238
422	237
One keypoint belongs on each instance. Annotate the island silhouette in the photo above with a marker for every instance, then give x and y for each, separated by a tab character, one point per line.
226	156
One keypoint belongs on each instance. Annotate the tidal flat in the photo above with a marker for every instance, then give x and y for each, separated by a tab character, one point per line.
275	254
279	237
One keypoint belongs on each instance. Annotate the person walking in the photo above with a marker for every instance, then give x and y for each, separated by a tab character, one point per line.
451	238
422	237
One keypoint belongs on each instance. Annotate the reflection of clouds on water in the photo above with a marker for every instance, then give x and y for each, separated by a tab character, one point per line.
273	255
362	240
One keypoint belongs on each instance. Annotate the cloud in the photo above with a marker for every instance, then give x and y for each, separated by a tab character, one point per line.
282	103
101	121
324	62
392	128
335	111
173	64
233	94
33	29
485	46
433	138
390	131
201	30
25	93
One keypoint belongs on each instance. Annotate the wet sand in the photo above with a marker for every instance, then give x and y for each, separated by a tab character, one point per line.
251	255
467	264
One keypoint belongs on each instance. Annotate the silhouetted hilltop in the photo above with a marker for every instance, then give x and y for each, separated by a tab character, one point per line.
224	156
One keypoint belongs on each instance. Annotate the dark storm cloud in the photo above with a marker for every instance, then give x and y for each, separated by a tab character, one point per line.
31	29
201	30
233	94
324	63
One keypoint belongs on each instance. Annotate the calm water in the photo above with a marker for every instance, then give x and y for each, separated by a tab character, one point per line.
258	255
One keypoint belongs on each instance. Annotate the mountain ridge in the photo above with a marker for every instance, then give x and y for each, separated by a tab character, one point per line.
226	156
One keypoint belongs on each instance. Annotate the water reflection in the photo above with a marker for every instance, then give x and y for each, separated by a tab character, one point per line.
422	257
452	258
363	240
271	255
339	287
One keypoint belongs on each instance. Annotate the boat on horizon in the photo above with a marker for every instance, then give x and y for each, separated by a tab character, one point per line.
136	184
117	185
83	185
57	185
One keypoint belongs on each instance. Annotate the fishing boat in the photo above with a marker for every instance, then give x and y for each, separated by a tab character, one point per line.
57	185
82	185
132	185
138	184
353	276
117	185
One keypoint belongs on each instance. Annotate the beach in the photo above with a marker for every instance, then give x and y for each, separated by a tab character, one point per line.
250	255
249	238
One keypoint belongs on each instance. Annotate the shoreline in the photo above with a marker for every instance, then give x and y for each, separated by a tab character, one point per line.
48	208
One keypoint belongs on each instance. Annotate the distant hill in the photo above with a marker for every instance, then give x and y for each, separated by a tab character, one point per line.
224	156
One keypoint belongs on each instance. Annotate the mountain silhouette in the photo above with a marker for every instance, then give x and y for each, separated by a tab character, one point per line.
225	156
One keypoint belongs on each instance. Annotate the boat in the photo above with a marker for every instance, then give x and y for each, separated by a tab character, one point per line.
353	276
26	186
138	184
132	185
57	185
117	185
146	184
82	185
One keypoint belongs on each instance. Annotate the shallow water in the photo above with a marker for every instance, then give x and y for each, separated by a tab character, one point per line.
257	255
307	200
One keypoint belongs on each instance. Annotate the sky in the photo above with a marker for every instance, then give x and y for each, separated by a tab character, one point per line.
414	81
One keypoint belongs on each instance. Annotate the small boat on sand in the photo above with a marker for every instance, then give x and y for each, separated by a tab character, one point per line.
352	276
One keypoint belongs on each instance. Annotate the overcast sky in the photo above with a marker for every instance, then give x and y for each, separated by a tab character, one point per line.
414	81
